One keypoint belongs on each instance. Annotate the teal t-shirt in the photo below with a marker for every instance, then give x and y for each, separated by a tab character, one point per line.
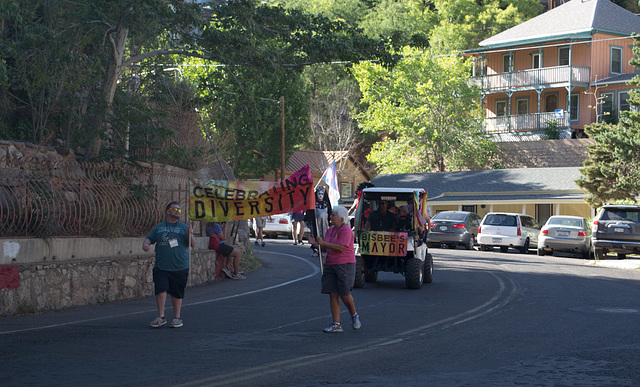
171	258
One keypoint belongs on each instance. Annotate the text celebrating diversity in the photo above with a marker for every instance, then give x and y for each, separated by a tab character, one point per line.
224	200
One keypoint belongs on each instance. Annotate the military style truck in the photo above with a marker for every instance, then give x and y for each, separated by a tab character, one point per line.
390	232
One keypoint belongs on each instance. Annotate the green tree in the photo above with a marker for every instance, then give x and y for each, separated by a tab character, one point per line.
612	170
129	44
462	24
426	113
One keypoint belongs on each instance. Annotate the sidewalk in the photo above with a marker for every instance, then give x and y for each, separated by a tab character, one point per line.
618	263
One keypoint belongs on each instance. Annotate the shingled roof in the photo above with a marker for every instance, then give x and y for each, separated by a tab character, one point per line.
576	19
493	185
319	161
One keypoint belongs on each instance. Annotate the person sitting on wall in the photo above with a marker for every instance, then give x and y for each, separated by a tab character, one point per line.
232	256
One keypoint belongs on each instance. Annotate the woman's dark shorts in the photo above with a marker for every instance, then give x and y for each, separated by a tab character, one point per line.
298	217
172	282
225	250
339	278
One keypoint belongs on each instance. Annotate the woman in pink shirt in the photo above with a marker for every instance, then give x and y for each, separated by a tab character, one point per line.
339	268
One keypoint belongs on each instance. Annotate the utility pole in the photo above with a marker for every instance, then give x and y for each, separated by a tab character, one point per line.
282	141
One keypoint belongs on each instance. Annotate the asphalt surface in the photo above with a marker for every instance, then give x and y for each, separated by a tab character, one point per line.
488	318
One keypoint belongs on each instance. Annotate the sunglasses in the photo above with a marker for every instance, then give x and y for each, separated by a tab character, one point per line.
175	209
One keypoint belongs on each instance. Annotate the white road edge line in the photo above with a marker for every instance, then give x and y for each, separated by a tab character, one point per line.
314	267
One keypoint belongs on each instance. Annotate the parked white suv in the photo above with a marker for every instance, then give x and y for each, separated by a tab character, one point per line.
506	230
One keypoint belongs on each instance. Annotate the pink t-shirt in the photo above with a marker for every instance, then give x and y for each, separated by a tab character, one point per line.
342	236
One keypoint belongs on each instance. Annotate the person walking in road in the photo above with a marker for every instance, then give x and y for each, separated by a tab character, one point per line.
259	227
171	268
339	268
297	231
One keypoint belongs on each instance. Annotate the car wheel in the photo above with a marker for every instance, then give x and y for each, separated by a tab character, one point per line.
470	243
485	248
541	252
372	276
504	249
600	253
586	254
525	248
360	272
427	271
413	273
622	256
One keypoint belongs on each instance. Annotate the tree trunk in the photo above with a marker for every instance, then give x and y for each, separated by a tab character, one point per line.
118	39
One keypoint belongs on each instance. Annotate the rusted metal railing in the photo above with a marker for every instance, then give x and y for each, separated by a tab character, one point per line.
47	199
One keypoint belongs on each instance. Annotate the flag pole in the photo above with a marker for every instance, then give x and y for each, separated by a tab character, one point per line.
189	233
317	235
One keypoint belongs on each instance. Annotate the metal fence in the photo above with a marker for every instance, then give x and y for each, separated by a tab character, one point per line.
52	199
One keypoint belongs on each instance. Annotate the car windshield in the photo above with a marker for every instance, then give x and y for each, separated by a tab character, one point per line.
621	214
450	216
565	222
501	220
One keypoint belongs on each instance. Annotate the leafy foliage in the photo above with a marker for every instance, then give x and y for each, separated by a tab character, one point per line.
426	113
612	170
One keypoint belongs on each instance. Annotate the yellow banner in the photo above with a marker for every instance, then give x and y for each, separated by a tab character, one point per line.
393	244
223	200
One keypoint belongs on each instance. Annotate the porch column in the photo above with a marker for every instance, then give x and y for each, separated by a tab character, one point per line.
569	89
509	94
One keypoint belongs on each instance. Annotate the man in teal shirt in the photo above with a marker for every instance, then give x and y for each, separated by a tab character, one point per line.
171	269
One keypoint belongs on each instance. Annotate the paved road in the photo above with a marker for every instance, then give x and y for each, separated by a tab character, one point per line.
488	319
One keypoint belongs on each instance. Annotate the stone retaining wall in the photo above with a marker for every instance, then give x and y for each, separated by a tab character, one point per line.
546	153
57	285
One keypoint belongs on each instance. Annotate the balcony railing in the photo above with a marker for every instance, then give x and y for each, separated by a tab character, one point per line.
523	123
548	76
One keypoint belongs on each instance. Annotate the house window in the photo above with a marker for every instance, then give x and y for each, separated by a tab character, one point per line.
550	103
522	106
469	208
501	108
623	102
563	56
616	60
543	212
507	63
573	107
607	113
345	190
536	60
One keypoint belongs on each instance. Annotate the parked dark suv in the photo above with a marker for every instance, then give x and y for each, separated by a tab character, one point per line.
453	228
616	229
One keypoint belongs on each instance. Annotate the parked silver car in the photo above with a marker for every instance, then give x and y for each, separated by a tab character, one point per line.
506	230
567	234
453	228
276	225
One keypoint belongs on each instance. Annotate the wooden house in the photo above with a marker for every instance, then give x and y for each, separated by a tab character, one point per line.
563	69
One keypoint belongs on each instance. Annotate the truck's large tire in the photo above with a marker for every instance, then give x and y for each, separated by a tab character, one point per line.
427	271
360	272
413	273
371	276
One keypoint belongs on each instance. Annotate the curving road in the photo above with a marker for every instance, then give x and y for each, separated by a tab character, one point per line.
488	318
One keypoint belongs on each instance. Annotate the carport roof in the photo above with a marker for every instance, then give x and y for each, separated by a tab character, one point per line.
499	185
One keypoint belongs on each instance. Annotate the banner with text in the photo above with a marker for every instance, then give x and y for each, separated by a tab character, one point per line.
224	200
393	244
